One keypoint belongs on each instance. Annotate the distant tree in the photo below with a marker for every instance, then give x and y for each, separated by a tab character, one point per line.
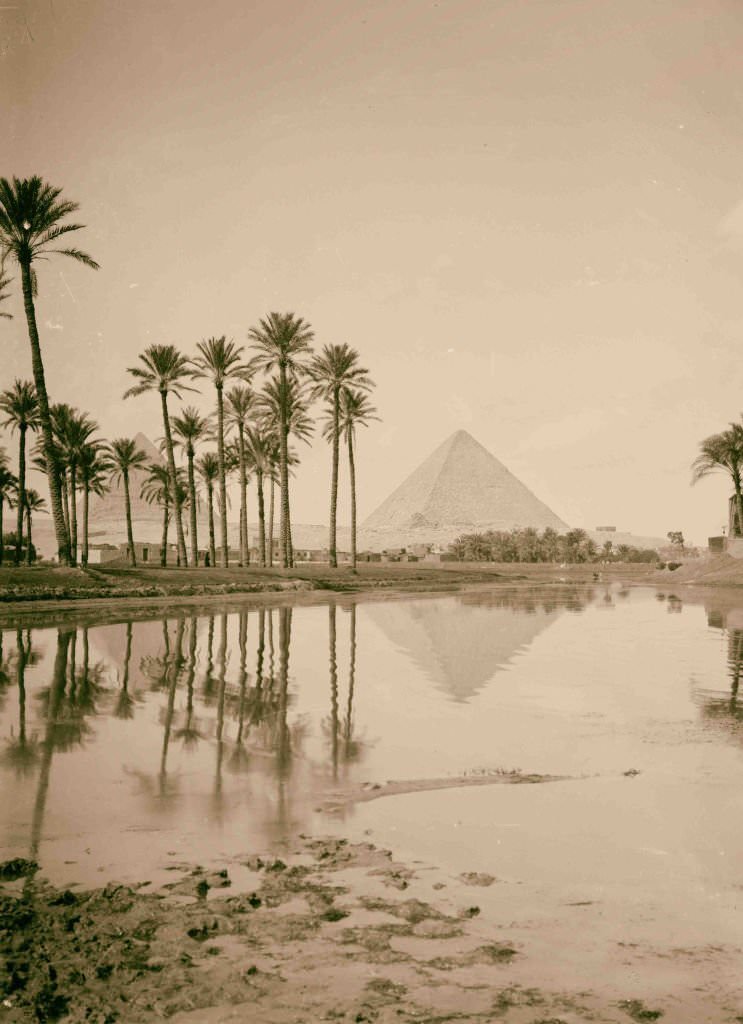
260	456
31	223
126	456
190	428
20	406
155	490
8	489
220	360
95	469
676	538
164	369
723	452
331	371
73	430
282	342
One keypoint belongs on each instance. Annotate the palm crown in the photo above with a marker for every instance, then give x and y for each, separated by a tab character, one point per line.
281	340
163	369
334	368
219	359
20	406
190	427
31	215
125	456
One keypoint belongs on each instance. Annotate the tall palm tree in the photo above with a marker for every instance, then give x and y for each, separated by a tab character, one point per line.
125	456
20	406
8	489
155	490
189	428
208	467
34	503
220	360
332	370
260	455
74	429
292	406
239	407
282	342
95	470
723	452
31	223
165	369
356	410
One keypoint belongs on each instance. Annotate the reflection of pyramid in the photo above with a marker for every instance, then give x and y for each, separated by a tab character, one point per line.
461	487
459	646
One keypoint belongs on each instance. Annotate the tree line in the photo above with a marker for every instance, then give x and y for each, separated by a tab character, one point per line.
262	401
529	545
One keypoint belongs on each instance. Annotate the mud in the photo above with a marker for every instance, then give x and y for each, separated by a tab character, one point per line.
321	934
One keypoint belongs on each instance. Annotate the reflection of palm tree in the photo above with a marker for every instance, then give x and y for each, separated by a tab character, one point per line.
124	707
190	734
239	758
352	748
54	705
21	752
334	721
283	738
221	679
725	708
173	669
208	684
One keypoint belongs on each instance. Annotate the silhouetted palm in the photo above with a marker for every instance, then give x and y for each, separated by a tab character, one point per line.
239	407
260	454
19	404
220	360
73	430
189	428
125	457
31	223
95	469
34	503
356	411
723	451
208	468
164	369
8	491
282	342
333	370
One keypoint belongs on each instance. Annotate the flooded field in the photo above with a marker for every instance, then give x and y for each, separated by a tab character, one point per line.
126	747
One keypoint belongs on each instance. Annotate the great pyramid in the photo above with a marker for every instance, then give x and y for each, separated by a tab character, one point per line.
110	506
460	488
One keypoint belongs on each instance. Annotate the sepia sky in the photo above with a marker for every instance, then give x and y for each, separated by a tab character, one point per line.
527	216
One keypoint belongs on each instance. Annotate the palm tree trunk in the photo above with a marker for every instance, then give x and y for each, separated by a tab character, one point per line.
29	560
129	534
351	683
164	544
261	519
739	503
244	549
332	552
333	689
222	477
86	522
352	480
283	471
73	514
65	504
21	491
212	547
181	540
55	493
270	523
192	510
2	543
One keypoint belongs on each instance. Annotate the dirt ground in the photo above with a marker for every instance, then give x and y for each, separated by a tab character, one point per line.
330	931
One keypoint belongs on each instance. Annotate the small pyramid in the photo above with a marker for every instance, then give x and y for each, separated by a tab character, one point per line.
460	488
111	504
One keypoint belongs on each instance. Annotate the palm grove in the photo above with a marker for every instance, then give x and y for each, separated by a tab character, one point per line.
263	399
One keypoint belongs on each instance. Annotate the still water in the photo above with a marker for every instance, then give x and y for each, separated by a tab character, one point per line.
202	736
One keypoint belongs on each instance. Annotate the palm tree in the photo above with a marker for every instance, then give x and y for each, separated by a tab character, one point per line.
282	341
165	369
4	282
293	408
34	503
208	467
125	456
260	455
95	469
723	452
240	401
21	408
60	414
73	430
31	216
332	370
355	410
8	489
156	490
219	360
189	428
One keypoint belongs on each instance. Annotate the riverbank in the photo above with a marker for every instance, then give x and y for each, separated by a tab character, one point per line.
42	586
326	931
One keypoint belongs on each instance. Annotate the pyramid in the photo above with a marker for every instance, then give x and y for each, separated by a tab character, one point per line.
111	505
460	488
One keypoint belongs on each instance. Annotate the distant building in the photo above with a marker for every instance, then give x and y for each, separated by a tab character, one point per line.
606	529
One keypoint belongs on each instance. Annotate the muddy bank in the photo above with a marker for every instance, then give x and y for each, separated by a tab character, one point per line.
330	931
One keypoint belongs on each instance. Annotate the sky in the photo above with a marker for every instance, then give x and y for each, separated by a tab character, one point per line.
527	218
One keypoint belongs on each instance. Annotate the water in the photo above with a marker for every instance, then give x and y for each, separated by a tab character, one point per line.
197	737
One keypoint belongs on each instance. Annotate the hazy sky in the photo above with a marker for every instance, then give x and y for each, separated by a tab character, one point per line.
527	215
